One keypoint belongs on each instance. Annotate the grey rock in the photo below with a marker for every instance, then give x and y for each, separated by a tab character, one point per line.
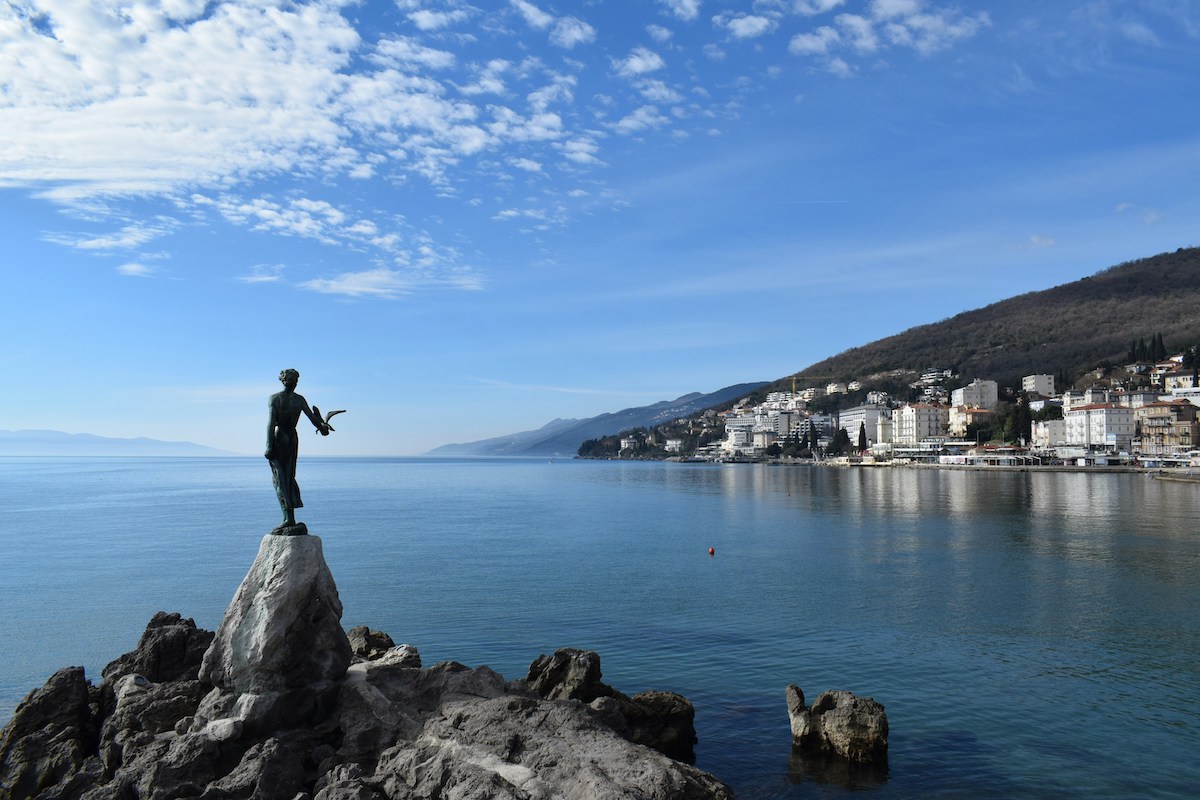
170	648
50	737
274	710
368	644
839	723
283	629
662	720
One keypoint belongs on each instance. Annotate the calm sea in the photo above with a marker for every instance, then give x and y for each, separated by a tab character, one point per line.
1031	635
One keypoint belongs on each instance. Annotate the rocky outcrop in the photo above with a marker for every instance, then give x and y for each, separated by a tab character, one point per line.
839	723
259	714
664	721
283	629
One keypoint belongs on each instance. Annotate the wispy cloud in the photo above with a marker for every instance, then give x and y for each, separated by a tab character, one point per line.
128	237
383	282
135	270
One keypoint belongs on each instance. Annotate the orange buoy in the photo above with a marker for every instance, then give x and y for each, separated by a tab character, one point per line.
711	551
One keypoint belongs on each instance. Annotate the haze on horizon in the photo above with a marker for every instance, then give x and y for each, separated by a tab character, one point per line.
464	220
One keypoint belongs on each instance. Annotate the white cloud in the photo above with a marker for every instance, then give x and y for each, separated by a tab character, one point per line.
658	92
534	16
263	273
816	42
644	118
127	238
570	31
581	151
436	20
684	9
658	33
887	9
859	31
745	26
813	7
640	61
839	68
135	270
888	23
931	33
407	52
386	283
527	164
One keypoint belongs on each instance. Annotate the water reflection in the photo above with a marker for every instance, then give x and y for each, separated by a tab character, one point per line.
805	767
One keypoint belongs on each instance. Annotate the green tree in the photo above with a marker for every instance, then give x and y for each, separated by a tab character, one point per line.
840	443
862	436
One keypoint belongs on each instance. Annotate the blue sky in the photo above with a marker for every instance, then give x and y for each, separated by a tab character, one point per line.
463	220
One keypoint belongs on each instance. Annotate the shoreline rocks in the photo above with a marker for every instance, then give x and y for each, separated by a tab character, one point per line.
281	704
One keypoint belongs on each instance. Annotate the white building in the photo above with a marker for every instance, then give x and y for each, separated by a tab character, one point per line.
674	445
977	394
1038	384
739	433
917	421
1048	434
1099	426
866	416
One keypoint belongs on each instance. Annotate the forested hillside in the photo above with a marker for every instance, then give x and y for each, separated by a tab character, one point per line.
1068	329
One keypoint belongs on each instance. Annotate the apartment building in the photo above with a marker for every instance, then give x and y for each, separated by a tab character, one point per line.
976	394
1099	426
917	421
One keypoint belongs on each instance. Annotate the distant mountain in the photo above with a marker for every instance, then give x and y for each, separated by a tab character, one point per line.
563	436
57	443
1070	328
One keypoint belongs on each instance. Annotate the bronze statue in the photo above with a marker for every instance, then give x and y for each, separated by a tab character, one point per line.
283	446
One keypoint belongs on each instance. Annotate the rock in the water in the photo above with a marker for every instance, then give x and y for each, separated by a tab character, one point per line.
840	723
283	629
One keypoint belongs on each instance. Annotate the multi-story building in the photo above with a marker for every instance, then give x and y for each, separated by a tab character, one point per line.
739	433
1048	434
917	421
1101	426
1167	428
976	394
867	417
1038	384
960	417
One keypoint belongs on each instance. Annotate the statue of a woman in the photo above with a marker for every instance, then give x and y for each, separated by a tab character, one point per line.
283	445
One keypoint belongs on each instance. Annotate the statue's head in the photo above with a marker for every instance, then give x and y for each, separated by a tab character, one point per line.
289	377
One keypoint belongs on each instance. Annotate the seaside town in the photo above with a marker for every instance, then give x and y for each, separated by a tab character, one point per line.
1143	414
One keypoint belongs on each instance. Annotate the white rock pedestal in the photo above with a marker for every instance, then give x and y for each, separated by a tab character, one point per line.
280	647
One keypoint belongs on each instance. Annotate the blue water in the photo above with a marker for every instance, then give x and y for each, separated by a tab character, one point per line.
1031	635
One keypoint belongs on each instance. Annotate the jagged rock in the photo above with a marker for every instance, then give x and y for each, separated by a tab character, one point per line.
170	648
283	629
513	748
838	722
49	737
664	721
569	674
273	710
368	644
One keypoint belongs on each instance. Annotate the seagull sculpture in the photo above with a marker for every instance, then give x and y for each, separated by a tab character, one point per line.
328	416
